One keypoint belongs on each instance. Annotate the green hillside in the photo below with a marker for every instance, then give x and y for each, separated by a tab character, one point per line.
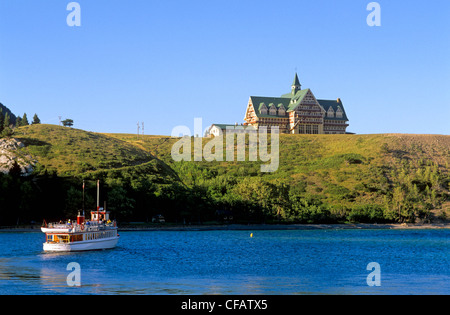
321	178
74	152
130	177
391	177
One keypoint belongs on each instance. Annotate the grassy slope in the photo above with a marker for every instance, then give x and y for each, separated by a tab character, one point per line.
332	166
72	152
328	166
308	155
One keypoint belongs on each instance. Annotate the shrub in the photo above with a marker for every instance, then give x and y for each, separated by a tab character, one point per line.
366	214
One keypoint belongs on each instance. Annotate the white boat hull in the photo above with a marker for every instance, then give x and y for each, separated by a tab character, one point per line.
98	244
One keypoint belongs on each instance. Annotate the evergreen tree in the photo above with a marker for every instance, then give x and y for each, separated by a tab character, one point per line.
36	120
24	120
2	120
7	120
18	121
7	132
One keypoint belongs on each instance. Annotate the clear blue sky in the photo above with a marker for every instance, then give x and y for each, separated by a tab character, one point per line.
167	62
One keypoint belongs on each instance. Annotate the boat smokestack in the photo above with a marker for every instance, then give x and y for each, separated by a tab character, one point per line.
80	219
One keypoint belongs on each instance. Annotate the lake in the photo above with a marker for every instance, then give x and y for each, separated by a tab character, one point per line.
283	262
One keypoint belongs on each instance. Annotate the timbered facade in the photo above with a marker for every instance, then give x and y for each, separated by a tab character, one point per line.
298	112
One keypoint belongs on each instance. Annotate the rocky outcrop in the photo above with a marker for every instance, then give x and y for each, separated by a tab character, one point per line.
9	153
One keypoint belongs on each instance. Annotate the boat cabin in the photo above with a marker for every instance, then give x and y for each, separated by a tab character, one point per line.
100	215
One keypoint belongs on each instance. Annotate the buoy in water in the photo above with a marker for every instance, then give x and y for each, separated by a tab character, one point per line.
251	234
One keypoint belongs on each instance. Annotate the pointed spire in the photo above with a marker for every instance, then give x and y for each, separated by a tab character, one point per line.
296	80
296	86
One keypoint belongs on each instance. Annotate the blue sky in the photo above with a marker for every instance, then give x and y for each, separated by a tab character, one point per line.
167	62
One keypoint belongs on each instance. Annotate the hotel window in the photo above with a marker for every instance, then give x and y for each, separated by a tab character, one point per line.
308	129
315	129
263	110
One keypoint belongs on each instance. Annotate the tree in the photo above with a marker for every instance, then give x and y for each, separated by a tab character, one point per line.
398	201
2	120
24	120
36	120
7	120
121	204
73	201
7	132
67	123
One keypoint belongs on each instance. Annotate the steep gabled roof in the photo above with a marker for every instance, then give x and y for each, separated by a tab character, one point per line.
326	104
296	99
258	102
289	103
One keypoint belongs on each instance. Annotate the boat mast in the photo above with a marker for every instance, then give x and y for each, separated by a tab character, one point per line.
98	198
83	197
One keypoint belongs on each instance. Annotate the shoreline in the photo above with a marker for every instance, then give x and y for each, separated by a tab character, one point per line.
274	227
260	227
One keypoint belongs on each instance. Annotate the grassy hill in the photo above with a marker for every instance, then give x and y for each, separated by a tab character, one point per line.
401	175
73	152
321	178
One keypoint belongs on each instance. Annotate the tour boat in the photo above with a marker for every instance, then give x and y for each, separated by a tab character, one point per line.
98	233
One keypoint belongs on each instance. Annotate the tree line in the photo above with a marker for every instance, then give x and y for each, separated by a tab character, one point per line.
200	196
7	126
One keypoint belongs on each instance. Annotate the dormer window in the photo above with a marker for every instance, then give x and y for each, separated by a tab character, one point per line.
263	109
339	113
330	112
272	110
281	110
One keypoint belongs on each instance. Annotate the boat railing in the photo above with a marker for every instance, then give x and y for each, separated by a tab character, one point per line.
58	226
87	226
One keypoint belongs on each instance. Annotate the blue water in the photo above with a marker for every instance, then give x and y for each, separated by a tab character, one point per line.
231	262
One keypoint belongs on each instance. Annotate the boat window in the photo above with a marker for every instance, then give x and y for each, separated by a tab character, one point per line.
61	238
76	238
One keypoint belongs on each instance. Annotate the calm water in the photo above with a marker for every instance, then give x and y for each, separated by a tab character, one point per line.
230	262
